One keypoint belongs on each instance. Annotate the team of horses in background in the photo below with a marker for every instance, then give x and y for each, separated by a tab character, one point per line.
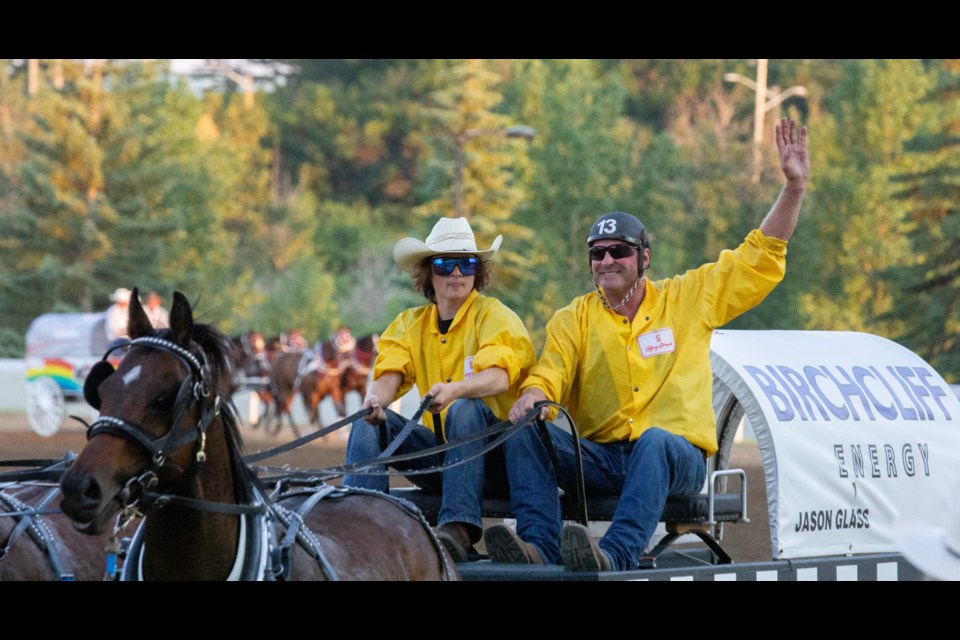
278	373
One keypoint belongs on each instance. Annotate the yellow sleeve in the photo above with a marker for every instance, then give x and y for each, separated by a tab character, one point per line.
504	343
740	278
394	355
555	370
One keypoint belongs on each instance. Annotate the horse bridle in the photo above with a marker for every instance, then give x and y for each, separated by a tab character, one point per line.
194	388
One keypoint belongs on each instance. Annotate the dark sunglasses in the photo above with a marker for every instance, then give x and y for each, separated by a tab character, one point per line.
444	266
616	251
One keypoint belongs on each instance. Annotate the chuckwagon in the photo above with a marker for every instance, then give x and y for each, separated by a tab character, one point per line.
857	435
60	349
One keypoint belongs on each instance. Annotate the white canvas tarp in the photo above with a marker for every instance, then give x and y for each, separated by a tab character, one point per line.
855	433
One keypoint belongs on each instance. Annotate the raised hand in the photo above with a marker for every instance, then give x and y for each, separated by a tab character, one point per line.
792	148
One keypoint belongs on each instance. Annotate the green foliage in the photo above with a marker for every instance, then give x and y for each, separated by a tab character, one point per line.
83	197
301	297
587	160
927	289
12	343
856	221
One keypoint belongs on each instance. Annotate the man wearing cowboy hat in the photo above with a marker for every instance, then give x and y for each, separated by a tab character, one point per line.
470	353
117	316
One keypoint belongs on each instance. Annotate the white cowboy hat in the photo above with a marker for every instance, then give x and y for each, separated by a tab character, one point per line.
120	295
935	550
449	235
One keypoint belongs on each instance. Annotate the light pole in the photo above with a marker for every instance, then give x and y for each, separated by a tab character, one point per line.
245	82
515	131
764	100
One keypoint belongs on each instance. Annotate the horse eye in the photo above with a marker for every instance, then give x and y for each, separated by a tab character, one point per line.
162	402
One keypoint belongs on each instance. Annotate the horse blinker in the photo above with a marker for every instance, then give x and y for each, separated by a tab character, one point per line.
100	372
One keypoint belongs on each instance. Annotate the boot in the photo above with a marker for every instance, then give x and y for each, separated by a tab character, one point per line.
581	552
456	538
504	545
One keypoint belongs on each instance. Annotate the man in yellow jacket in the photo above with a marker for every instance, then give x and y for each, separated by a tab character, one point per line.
469	352
631	363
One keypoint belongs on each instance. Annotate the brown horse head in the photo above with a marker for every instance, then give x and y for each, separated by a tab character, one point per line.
165	414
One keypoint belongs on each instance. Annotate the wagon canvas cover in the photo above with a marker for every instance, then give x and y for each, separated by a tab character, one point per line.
63	346
856	433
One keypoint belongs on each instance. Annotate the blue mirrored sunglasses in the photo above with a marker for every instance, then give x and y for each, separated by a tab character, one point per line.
444	266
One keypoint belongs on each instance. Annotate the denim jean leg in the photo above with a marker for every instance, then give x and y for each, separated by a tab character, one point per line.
463	483
661	464
534	499
362	445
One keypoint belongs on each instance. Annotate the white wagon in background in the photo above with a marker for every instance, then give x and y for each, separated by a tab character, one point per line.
60	350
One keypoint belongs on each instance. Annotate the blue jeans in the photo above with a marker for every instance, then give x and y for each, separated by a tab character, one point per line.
462	486
643	472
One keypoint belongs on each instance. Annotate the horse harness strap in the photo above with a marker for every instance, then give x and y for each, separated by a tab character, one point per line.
438	434
160	500
249	565
37	529
47	470
561	479
297	532
502	431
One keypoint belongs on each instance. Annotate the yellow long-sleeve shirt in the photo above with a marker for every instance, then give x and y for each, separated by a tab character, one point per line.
617	379
485	333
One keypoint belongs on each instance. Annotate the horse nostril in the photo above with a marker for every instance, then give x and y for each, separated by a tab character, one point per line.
81	494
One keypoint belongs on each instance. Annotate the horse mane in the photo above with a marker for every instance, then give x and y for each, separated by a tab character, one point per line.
216	345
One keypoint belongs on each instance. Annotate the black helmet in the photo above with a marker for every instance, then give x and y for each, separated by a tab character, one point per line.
619	226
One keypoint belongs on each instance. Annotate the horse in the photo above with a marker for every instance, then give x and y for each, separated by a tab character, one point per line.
167	442
249	359
311	376
356	374
331	369
38	542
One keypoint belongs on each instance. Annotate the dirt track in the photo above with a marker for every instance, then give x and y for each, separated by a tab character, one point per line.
748	542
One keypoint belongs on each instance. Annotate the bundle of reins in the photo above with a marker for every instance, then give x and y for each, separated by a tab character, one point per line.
495	435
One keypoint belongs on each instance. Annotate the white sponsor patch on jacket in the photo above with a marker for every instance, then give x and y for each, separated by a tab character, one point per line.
656	342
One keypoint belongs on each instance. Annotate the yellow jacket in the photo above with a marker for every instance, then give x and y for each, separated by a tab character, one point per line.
485	333
618	379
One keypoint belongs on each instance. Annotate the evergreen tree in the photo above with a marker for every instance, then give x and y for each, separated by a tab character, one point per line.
104	198
475	167
854	228
927	298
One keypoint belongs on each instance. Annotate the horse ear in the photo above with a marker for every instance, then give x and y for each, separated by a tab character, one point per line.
181	320
138	324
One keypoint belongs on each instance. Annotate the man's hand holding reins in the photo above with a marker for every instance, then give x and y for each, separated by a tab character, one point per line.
525	403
